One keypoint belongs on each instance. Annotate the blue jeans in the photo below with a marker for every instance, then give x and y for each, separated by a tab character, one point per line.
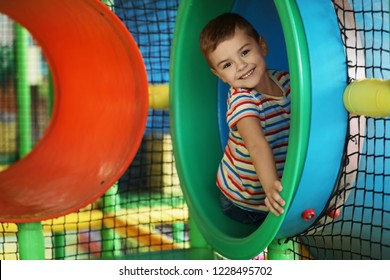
241	215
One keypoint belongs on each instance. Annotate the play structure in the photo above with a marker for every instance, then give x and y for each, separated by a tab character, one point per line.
82	183
319	120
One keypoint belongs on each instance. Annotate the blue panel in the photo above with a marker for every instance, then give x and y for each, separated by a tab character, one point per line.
328	116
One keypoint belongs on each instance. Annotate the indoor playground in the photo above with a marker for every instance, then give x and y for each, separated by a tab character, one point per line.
112	127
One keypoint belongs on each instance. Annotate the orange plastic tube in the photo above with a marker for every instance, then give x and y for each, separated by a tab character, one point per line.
99	115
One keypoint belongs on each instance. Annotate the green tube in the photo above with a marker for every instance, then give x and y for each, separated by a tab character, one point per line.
111	244
31	241
30	235
51	95
23	92
59	245
281	250
197	166
178	232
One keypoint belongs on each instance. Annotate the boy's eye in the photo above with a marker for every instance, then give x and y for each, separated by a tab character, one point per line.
226	65
245	52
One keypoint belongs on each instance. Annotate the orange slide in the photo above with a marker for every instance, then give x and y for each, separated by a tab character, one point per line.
99	114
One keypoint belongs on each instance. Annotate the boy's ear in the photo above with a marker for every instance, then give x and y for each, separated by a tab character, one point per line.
263	46
216	74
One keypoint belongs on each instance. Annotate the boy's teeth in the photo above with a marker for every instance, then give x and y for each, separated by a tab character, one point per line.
247	74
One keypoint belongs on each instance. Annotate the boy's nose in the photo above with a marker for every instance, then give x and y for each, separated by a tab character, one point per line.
242	64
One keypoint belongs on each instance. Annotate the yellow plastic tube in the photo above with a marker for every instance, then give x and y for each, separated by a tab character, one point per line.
368	97
159	96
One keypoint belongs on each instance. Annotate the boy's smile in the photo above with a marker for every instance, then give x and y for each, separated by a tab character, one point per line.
247	74
239	61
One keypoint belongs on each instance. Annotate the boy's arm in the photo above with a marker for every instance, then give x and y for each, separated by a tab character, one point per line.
263	161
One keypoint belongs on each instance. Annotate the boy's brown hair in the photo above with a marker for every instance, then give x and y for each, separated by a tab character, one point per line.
222	28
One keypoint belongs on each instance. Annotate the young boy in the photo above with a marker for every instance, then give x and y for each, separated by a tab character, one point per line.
258	117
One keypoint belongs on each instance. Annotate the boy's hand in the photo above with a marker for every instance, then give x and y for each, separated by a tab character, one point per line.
273	200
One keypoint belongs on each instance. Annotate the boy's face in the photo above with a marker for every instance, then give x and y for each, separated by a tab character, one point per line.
239	61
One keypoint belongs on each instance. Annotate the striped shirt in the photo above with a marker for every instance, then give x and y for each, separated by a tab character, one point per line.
236	176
